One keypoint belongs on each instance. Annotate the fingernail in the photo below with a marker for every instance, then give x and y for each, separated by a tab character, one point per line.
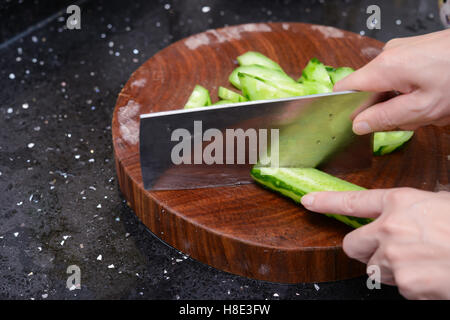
308	200
362	127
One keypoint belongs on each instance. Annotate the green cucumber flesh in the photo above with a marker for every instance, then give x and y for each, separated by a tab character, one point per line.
198	98
227	94
256	89
252	58
260	72
316	71
387	142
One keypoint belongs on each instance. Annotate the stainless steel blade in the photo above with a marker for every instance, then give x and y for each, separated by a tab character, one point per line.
312	131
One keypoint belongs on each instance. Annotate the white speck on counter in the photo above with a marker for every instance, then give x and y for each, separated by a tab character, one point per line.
31	145
398	22
129	128
316	286
34	39
12	76
91	160
206	9
362	33
16	234
110	44
329	32
135	51
25	106
167	6
45	296
20	203
99	206
111	266
99	258
10	110
62	243
77	156
276	295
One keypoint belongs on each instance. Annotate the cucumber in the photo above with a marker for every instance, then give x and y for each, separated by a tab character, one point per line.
316	71
252	58
256	89
260	72
199	98
339	74
220	102
232	96
294	183
388	142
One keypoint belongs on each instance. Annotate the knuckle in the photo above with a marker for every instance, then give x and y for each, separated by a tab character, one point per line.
384	119
397	196
348	202
391	254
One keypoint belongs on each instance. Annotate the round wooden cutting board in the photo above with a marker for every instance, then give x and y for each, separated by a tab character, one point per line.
246	229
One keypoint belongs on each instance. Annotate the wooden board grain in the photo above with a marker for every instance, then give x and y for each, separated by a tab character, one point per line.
246	229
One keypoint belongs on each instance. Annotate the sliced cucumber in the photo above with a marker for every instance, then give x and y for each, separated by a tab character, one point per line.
232	96
260	72
294	183
316	71
256	89
220	102
252	58
388	142
340	73
199	98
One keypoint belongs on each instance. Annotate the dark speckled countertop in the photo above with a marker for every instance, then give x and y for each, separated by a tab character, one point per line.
60	203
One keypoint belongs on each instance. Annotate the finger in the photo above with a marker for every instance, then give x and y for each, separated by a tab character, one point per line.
387	115
371	77
364	204
361	243
379	261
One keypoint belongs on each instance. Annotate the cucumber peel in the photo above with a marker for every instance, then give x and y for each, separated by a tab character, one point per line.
388	142
294	183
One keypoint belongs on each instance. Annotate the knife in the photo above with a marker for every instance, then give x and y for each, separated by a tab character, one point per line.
217	145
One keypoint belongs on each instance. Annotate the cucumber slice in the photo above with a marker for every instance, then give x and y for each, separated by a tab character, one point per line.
232	96
315	87
388	142
340	73
252	58
316	71
294	183
199	98
255	89
260	72
220	102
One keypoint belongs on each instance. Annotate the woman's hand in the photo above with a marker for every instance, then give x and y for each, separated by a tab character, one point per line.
418	68
409	240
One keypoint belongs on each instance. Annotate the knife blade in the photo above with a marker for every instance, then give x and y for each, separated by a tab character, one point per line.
217	145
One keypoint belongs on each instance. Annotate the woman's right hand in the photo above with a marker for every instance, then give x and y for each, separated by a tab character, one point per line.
418	68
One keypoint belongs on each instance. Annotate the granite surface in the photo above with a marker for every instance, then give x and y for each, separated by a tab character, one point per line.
60	203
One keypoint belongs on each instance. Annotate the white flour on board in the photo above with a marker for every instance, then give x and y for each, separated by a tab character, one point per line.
128	127
329	32
231	33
